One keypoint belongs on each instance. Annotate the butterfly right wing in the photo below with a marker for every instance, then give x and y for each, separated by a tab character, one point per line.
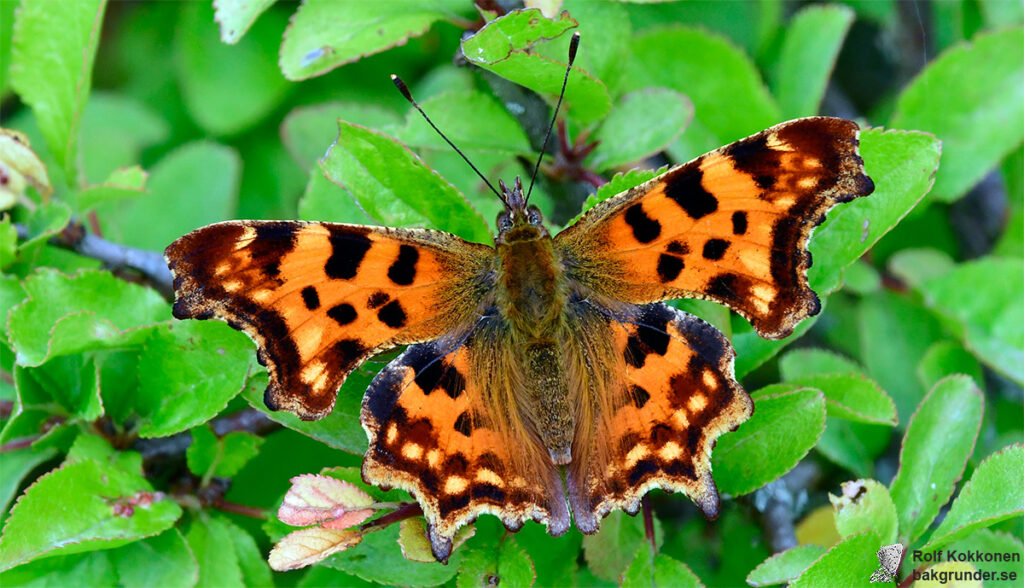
320	298
435	430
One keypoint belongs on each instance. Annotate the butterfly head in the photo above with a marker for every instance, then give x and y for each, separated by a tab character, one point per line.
519	221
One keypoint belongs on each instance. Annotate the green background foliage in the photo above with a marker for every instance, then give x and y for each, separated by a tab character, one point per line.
135	450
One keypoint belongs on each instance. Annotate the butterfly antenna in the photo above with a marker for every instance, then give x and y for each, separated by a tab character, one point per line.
574	44
408	96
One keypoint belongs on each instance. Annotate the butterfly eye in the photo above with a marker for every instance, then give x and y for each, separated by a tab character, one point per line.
533	214
504	222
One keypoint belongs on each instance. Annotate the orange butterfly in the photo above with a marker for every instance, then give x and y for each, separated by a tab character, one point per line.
540	352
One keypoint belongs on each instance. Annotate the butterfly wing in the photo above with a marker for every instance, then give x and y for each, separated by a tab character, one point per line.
730	226
319	298
676	395
434	433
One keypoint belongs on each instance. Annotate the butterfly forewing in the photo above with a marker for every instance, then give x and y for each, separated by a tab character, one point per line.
319	298
730	226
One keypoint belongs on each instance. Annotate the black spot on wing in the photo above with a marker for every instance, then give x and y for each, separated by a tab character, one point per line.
677	247
653	327
343	313
273	240
310	298
686	190
642	469
403	270
724	287
348	353
488	492
645	229
464	423
639	396
669	267
392	314
347	251
714	249
377	299
739	223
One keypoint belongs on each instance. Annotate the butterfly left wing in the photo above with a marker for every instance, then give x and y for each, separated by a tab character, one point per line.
677	394
731	226
320	298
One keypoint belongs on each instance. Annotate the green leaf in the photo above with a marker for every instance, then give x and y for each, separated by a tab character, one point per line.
851	397
994	493
809	361
853	445
165	560
255	570
945	358
808	54
630	133
45	222
501	48
52	54
340	429
619	183
706	68
990	321
324	34
752	349
470	118
210	72
78	502
209	456
116	128
378	559
784	427
392	184
73	382
610	551
972	98
194	185
901	163
8	244
848	563
652	570
865	505
917	264
785	566
188	371
554	558
939	439
70	314
308	131
895	333
236	16
121	183
514	566
209	538
92	567
32	407
605	33
17	465
324	200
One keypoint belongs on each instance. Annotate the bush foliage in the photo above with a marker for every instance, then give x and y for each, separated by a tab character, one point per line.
134	447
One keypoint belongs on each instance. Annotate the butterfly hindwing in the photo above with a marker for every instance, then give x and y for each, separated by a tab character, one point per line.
677	394
730	226
431	433
319	298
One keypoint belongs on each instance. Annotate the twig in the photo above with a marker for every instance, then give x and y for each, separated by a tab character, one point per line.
114	256
163	448
645	506
240	509
6	406
407	511
19	443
